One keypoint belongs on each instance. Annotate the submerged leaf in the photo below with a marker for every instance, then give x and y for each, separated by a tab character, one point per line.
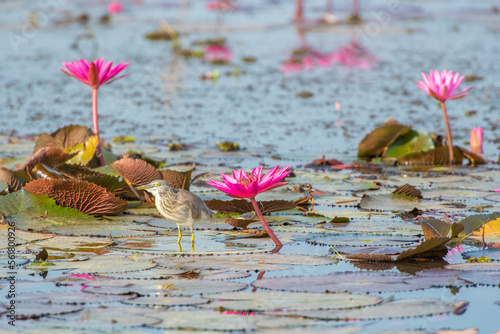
86	197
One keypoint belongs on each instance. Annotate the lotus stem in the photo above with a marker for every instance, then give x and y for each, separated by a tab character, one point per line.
448	134
299	8
266	226
95	125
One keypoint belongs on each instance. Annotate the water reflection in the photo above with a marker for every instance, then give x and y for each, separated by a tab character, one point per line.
305	57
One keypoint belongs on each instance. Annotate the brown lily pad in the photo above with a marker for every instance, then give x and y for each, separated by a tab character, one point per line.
408	190
49	156
440	156
83	196
244	206
79	172
65	137
178	180
135	172
14	180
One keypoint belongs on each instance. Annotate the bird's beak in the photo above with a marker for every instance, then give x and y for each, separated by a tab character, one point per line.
144	187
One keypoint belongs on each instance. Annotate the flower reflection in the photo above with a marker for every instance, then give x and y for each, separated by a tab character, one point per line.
351	54
219	54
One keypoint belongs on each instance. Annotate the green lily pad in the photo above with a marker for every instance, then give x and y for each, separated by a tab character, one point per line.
21	201
410	142
375	143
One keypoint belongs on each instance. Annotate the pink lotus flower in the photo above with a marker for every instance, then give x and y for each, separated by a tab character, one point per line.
242	185
476	140
94	74
217	53
115	7
442	86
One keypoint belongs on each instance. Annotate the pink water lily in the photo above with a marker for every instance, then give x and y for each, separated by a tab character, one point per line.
243	185
442	87
115	7
94	74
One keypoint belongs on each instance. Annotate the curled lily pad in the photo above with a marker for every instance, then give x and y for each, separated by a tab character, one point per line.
84	151
178	180
62	138
408	190
376	142
136	172
438	228
410	142
83	196
14	180
49	156
78	172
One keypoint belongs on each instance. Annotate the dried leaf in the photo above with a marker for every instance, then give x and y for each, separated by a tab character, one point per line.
83	196
178	180
14	180
49	156
79	172
408	190
42	255
438	228
244	206
241	223
376	142
67	136
431	248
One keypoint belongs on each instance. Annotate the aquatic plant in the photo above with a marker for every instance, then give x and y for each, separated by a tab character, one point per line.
242	185
95	75
442	86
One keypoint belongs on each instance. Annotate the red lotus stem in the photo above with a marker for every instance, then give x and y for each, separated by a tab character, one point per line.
355	8
95	125
299	8
264	223
448	134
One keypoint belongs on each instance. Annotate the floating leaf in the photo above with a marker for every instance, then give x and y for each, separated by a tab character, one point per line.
75	243
394	309
376	142
34	310
475	266
83	196
170	287
228	146
440	156
259	301
204	321
166	301
69	297
109	318
14	180
21	201
84	151
359	282
481	277
411	142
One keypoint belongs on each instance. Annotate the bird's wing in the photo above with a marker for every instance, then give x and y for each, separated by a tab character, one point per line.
199	210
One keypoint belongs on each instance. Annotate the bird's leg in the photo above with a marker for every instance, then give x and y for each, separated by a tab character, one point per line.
192	239
180	234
